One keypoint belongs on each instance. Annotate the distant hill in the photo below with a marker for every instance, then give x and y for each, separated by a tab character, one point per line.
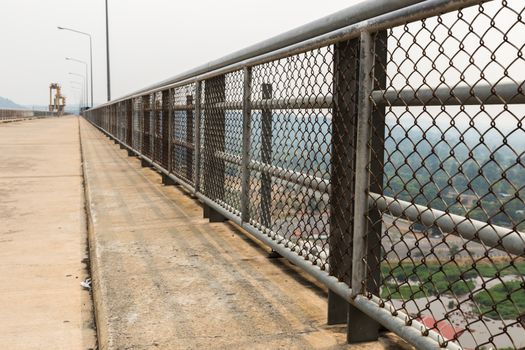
7	103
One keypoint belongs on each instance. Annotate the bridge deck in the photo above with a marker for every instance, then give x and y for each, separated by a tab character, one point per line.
43	238
170	279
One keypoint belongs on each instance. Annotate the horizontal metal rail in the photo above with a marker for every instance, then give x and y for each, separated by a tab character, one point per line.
491	235
298	178
506	93
311	102
384	19
351	15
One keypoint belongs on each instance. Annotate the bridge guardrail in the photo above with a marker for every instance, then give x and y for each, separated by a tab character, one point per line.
13	114
384	156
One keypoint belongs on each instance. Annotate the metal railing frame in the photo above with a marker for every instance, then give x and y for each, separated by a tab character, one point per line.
358	22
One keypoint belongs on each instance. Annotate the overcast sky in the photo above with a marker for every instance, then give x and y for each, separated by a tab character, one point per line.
150	40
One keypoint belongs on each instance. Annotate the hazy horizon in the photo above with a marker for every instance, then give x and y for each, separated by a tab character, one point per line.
147	43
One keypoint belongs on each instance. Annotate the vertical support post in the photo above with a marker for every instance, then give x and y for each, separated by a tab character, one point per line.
246	141
129	116
366	329
146	107
171	101
157	136
114	123
122	122
266	157
118	120
154	127
189	137
214	141
165	126
362	176
214	137
344	119
377	163
197	133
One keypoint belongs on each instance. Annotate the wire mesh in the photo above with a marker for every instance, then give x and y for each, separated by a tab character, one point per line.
147	126
291	142
460	155
183	131
222	139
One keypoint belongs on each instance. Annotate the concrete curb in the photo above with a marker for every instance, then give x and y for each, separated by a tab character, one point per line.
99	305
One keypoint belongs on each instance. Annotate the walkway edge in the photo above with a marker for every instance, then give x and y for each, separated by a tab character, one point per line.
99	306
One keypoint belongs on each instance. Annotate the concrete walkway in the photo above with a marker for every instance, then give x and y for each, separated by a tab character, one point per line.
43	237
167	279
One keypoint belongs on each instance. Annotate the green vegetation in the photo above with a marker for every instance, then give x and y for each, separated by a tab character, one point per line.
506	300
436	171
490	270
439	285
421	272
433	279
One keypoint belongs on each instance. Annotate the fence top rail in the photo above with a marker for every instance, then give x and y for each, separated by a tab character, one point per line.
346	17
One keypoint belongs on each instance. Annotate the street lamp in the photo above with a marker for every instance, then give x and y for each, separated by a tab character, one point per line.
83	81
85	64
90	55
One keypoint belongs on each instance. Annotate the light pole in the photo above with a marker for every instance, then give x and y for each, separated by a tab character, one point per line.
107	52
85	64
90	55
83	81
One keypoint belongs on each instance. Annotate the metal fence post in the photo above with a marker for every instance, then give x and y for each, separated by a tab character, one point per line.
266	157
165	126
131	126
344	117
214	141
246	147
129	115
377	162
367	250
169	118
165	144
189	137
197	133
114	115
123	122
156	155
146	124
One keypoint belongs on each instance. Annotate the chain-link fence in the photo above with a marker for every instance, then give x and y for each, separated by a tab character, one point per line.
386	158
